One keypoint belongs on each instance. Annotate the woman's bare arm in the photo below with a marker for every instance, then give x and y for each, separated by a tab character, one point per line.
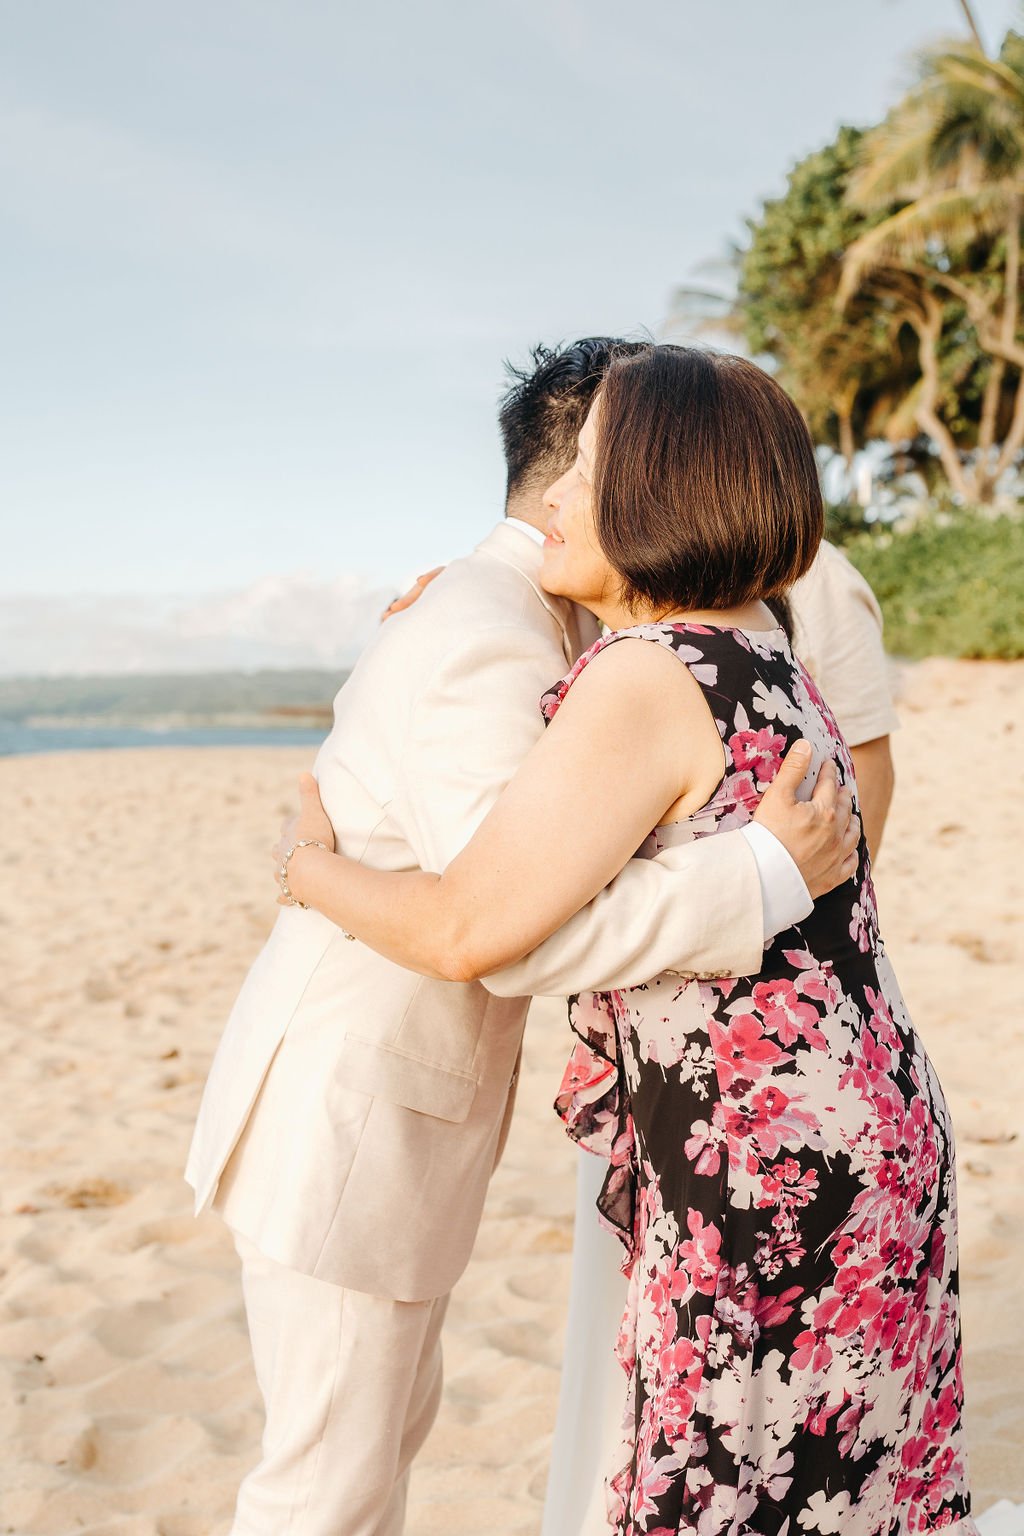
631	737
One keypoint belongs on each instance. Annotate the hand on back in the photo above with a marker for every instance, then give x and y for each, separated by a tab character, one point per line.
311	824
416	591
821	834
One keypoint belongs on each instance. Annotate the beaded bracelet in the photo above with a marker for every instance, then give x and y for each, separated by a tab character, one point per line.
282	874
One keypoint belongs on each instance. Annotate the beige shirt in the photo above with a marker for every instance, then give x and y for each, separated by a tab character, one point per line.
838	636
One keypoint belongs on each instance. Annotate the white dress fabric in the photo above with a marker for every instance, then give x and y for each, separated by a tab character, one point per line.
1002	1519
592	1393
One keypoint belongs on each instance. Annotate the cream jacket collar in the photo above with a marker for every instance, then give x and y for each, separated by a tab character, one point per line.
513	546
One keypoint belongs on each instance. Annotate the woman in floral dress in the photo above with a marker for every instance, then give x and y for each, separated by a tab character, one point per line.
781	1173
780	1153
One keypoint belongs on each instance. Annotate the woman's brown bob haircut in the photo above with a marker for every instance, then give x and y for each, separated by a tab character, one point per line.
706	487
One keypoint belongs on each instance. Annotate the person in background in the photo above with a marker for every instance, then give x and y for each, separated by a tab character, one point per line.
837	634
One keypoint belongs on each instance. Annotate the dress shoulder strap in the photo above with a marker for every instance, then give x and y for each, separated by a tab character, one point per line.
705	650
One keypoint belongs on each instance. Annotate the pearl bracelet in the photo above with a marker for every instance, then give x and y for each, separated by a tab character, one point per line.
282	874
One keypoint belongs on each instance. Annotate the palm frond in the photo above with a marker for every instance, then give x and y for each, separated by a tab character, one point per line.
703	312
950	217
897	163
962	124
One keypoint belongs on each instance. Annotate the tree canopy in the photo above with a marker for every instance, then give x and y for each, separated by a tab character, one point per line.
885	282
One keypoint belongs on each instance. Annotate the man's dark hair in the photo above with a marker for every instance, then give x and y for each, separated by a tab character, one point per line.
545	407
706	487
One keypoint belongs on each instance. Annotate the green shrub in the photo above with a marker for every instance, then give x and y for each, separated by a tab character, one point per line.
951	584
846	520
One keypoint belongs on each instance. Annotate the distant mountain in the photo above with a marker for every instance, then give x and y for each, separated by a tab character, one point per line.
266	698
292	623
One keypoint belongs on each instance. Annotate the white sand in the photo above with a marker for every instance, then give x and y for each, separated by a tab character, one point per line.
137	890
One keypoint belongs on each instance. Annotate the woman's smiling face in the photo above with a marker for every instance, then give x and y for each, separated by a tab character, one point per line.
574	563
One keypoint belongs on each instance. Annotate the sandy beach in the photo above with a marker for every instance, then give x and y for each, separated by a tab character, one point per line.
138	889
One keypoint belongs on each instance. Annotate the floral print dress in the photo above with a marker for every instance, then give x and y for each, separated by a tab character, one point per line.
782	1177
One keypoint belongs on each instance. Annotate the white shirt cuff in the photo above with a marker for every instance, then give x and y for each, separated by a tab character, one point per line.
785	899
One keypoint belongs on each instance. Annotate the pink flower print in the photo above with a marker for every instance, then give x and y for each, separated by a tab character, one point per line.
812	1349
653	1478
759	751
854	1275
770	1311
888	1326
904	1258
680	1369
937	1264
741	1050
584	1073
703	1147
668	1285
783	1012
819	981
881	1019
803	1190
845	1314
678	1360
842	1250
812	692
768	1105
742	791
736	1300
860	925
915	1449
770	1118
701	1255
869	1067
944	1461
941	1413
818	1416
649	1208
877	1058
784	1185
848	1423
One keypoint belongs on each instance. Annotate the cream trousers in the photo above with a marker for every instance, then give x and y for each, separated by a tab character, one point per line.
351	1385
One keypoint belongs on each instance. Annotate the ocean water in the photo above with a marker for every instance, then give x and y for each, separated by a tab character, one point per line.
16	738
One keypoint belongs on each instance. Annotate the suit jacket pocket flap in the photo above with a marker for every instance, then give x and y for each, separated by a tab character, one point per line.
389	1073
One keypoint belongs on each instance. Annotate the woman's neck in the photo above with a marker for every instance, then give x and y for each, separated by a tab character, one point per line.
752	616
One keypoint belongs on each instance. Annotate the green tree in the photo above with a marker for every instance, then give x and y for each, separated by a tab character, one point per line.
941	188
849	370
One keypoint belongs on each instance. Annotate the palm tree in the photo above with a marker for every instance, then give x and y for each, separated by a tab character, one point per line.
953	153
972	25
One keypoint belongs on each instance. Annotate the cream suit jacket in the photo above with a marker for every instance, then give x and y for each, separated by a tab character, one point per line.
355	1110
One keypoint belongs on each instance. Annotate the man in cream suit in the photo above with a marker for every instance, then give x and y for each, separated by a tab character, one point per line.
354	1110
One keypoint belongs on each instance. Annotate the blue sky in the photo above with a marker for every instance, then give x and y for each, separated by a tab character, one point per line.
263	260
